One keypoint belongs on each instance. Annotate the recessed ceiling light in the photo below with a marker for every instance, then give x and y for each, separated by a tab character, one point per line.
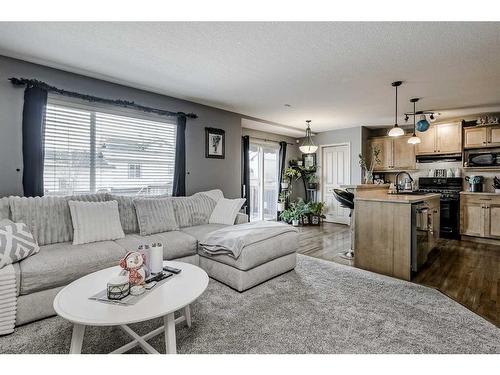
287	105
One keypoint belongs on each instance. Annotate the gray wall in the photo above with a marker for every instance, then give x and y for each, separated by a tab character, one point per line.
203	174
353	136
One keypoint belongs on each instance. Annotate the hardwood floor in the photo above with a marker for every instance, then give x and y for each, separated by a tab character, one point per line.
465	271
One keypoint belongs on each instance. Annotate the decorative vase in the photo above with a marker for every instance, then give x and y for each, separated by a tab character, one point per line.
368	177
281	206
295	223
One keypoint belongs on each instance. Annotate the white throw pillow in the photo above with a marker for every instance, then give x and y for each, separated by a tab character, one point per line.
95	221
16	242
226	210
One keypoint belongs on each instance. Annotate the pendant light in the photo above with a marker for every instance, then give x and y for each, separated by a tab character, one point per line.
396	131
414	139
308	146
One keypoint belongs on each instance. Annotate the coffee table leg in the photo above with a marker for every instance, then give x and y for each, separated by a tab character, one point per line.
187	315
170	344
77	339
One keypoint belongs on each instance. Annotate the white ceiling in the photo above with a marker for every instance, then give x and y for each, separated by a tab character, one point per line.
336	74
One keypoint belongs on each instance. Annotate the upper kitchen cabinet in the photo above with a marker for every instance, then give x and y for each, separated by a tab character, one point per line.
440	139
395	153
482	136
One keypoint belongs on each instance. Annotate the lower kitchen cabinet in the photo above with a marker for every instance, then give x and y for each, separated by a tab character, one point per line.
480	215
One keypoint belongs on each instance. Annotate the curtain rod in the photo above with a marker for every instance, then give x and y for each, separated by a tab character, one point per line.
96	99
270	140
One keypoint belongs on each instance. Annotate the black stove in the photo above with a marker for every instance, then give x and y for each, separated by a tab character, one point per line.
449	188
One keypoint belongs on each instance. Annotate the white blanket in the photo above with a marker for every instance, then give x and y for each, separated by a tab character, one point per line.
8	300
231	240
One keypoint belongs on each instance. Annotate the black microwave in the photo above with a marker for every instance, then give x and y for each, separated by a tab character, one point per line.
482	158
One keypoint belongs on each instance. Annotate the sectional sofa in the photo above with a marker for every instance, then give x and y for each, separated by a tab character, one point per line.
41	276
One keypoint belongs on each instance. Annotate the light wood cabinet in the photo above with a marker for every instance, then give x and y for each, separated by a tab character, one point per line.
395	153
441	139
480	215
482	136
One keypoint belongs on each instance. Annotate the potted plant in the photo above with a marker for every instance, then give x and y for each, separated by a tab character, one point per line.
375	152
282	200
316	210
292	214
289	176
312	181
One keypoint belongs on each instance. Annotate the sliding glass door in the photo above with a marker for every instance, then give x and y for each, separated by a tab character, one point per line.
264	168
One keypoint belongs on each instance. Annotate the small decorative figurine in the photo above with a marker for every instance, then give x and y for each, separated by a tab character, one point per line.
133	263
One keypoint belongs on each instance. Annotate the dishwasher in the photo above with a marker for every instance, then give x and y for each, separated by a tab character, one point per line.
422	226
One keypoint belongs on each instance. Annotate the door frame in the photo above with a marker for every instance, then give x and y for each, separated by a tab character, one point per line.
322	166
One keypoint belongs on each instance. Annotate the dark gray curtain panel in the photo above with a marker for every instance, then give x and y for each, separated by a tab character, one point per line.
245	172
179	188
282	163
35	103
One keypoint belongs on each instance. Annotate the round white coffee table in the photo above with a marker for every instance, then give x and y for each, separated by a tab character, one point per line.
73	304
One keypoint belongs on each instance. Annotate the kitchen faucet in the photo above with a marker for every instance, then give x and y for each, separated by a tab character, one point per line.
397	179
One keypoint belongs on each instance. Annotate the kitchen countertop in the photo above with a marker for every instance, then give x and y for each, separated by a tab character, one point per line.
380	196
483	193
366	186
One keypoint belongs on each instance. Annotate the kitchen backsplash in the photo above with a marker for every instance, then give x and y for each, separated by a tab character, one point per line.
423	171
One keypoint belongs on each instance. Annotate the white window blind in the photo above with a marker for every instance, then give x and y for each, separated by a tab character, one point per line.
89	151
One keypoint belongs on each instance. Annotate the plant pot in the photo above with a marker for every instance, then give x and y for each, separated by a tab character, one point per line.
312	185
295	223
315	220
284	185
281	206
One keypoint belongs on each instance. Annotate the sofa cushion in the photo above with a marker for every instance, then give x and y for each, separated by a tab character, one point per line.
59	264
215	194
175	244
48	218
4	208
155	215
193	210
260	252
226	210
126	209
201	231
95	221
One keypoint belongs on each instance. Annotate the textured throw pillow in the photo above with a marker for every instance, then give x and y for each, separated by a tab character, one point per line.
194	210
226	210
215	194
126	209
16	242
155	215
95	221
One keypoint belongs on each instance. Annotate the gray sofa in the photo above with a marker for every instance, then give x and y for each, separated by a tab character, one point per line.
41	276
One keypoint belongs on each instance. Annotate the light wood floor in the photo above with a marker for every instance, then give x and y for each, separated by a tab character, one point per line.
465	271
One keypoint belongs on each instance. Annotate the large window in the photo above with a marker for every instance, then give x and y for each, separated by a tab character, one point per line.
89	151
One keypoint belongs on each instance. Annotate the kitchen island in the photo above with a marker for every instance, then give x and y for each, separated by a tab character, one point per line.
394	233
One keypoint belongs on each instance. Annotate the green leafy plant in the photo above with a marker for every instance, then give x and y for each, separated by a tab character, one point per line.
283	196
312	178
292	174
317	208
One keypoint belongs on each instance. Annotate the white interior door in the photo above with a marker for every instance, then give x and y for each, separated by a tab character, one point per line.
335	165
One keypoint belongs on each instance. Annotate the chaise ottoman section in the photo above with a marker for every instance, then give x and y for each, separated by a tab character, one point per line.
258	262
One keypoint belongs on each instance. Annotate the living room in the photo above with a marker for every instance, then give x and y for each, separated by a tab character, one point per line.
249	187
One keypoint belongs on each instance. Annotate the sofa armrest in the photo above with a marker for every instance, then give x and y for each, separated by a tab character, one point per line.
241	218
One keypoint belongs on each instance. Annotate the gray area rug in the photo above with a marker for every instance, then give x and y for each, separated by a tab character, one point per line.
320	307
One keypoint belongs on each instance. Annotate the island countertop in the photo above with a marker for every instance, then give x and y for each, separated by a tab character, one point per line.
382	196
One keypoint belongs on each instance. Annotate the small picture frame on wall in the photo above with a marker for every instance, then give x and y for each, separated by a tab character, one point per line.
309	160
215	143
